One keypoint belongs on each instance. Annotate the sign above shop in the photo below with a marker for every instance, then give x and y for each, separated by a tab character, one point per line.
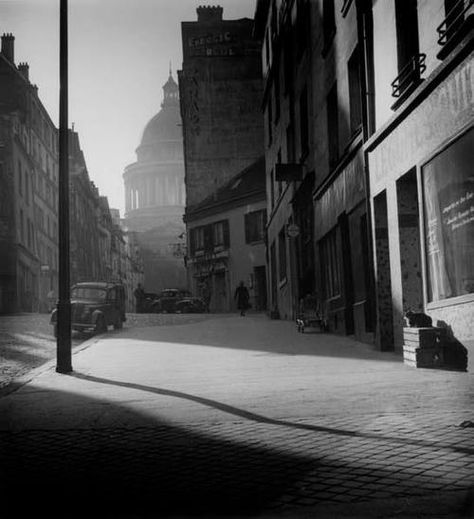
288	172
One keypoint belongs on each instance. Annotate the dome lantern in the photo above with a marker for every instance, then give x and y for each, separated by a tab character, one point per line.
170	92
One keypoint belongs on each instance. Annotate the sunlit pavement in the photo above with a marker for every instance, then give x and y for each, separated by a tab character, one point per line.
27	341
237	416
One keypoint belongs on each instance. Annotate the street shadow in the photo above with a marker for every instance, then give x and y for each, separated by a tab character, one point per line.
146	469
455	354
247	415
85	458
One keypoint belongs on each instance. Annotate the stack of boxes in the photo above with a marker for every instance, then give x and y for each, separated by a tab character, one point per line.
424	347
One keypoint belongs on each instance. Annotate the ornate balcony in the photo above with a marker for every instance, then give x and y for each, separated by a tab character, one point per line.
458	23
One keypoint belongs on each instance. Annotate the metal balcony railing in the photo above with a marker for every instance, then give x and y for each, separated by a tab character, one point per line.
409	76
454	20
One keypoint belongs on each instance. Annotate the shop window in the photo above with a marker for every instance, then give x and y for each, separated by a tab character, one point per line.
255	226
355	104
449	221
330	265
282	254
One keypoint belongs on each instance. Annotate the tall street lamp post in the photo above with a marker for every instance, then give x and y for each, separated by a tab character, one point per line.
63	344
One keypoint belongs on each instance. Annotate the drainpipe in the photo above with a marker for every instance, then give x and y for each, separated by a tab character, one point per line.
365	38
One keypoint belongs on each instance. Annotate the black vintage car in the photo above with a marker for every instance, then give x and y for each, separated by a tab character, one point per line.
95	306
174	300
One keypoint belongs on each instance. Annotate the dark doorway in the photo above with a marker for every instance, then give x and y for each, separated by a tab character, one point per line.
383	279
260	276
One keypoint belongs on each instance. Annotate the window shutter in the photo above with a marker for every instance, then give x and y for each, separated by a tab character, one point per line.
208	241
226	234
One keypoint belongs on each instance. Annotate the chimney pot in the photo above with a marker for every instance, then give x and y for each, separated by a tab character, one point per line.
8	46
24	69
209	13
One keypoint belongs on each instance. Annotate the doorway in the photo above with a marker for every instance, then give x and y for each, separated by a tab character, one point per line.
260	276
383	282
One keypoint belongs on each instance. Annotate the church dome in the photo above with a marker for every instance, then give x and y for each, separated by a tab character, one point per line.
165	126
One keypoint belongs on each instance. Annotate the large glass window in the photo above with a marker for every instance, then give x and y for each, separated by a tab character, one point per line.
448	188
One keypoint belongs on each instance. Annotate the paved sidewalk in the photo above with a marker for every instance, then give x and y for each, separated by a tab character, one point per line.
237	416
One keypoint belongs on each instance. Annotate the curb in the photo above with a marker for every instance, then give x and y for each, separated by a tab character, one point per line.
28	377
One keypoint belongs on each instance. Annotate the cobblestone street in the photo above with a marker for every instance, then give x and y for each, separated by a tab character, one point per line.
238	417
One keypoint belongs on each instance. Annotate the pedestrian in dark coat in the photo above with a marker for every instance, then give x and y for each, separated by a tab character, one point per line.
242	296
139	294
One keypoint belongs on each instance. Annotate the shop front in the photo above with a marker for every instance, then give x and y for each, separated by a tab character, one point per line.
422	199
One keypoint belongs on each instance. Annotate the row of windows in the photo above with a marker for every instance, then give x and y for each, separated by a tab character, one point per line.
28	183
28	237
216	236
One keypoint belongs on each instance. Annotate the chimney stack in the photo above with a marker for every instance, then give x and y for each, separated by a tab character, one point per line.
8	46
209	13
24	70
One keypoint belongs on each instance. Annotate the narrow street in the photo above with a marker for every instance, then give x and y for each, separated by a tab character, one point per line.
238	416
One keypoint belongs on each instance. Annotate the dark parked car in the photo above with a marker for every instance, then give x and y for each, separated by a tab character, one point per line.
95	306
174	300
166	301
191	305
150	299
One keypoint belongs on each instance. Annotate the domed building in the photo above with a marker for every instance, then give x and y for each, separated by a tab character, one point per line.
155	195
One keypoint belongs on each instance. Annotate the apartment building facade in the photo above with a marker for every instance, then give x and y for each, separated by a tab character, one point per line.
317	226
227	241
220	94
419	161
29	165
368	117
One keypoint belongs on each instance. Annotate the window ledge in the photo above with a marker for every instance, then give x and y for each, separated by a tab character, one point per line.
451	301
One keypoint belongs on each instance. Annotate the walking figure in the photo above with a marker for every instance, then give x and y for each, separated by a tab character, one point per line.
139	294
242	296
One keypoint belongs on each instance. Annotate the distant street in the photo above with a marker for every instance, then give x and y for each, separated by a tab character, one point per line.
27	342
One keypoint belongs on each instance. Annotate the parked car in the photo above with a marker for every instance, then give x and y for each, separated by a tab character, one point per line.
95	306
191	305
168	300
150	299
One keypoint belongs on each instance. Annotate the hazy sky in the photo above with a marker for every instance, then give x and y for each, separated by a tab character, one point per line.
119	54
